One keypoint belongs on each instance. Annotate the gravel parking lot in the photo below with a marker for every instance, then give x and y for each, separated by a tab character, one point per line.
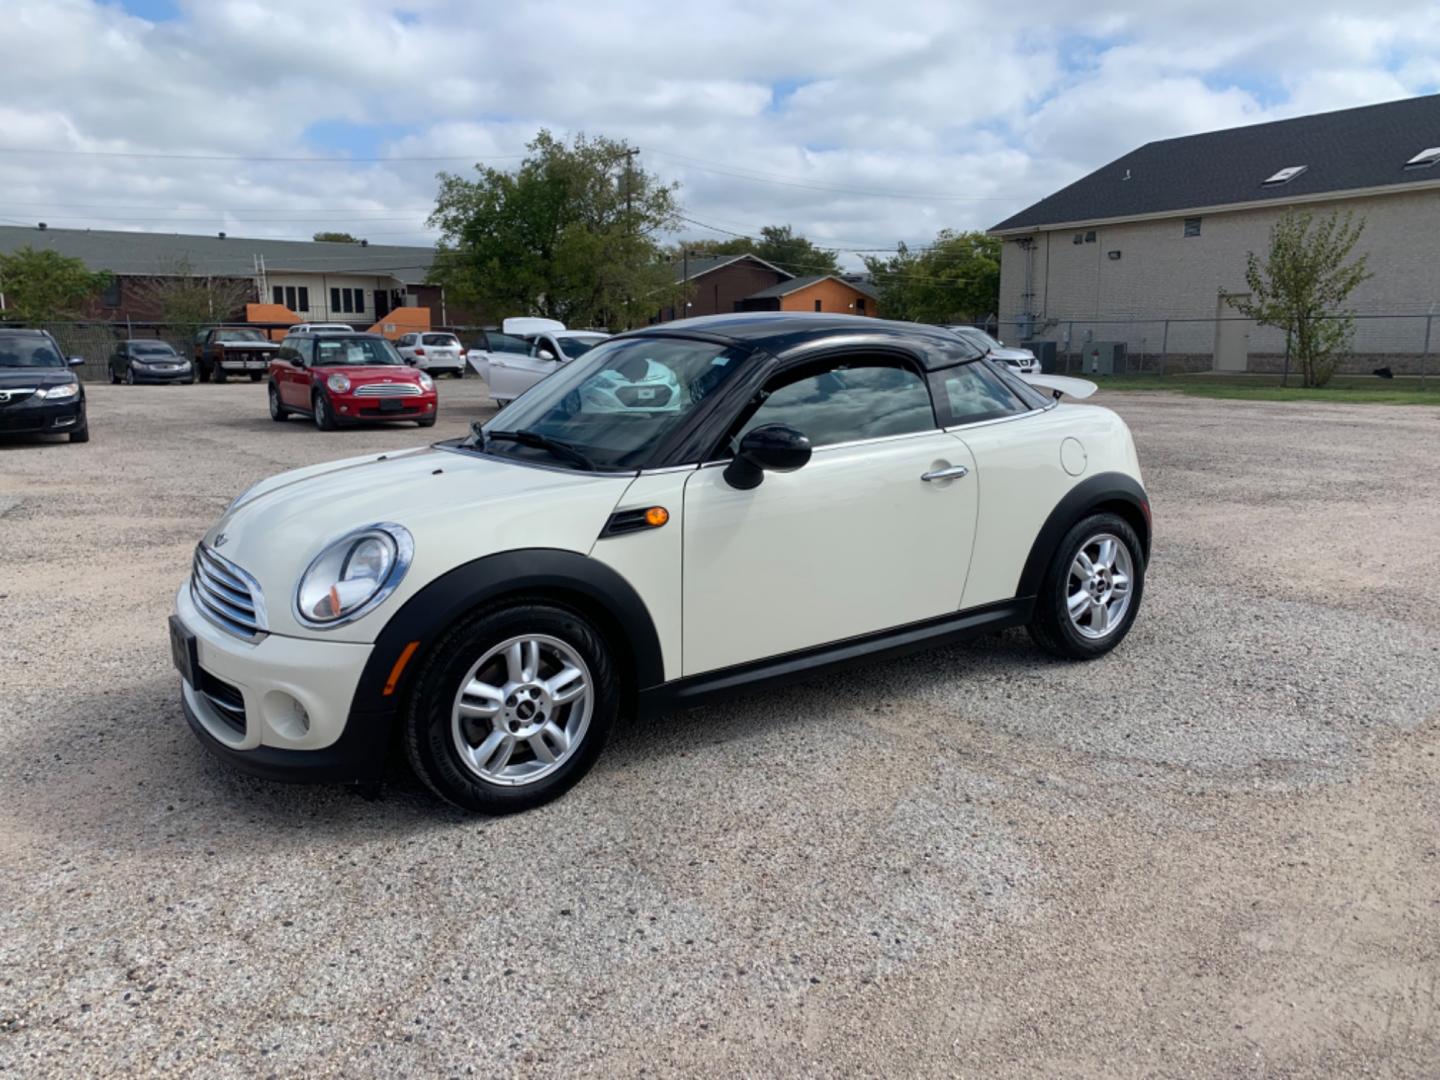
1213	852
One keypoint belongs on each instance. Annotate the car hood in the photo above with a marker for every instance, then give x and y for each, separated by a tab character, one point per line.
34	376
457	505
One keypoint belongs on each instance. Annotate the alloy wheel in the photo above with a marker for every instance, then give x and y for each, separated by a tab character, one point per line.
522	710
1100	585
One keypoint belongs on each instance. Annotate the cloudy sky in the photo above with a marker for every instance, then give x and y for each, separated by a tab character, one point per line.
859	124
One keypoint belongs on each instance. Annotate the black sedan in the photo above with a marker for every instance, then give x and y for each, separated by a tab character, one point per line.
149	361
39	394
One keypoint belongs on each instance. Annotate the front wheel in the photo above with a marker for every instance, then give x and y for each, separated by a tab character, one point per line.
324	417
129	376
511	708
1092	589
81	434
219	373
278	412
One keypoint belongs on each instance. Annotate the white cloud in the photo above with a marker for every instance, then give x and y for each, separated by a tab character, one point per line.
766	113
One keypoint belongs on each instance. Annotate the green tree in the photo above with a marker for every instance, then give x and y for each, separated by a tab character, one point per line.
1302	286
42	286
569	235
777	244
336	238
184	299
955	279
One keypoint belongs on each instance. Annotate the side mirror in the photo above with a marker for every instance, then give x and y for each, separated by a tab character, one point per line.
773	448
76	361
545	354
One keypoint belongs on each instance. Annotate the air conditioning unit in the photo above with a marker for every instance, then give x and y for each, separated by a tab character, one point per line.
1044	352
1103	357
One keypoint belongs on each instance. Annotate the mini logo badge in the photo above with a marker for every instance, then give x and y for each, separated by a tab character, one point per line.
221	540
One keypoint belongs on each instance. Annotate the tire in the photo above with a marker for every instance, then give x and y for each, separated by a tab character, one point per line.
278	412
254	376
1090	634
114	378
324	418
475	650
204	372
219	373
429	421
129	376
81	434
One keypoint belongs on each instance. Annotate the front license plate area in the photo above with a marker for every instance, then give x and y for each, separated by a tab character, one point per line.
391	404
183	650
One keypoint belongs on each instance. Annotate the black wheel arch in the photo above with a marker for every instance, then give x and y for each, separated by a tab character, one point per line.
565	577
1113	492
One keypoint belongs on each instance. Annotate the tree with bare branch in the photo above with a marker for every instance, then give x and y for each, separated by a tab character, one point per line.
185	299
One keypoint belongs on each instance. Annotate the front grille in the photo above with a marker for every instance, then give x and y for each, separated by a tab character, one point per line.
388	390
227	595
10	397
226	700
19	423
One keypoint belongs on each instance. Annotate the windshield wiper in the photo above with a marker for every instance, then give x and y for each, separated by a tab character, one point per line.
540	442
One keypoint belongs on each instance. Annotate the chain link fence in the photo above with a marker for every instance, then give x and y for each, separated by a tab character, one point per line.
1403	344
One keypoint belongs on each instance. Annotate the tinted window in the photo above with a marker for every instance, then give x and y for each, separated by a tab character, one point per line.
575	346
239	335
354	351
28	352
151	348
973	392
504	343
845	402
439	339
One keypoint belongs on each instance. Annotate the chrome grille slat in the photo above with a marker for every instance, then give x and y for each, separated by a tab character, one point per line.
388	390
226	595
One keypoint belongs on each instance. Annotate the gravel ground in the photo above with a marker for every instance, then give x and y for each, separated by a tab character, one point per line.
1211	853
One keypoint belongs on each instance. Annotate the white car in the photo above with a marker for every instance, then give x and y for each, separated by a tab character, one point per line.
434	352
811	493
1021	360
321	328
548	346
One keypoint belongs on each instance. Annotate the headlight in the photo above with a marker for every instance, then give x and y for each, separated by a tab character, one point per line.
353	575
338	383
58	393
426	382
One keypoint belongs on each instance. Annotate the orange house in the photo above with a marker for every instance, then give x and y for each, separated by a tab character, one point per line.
817	292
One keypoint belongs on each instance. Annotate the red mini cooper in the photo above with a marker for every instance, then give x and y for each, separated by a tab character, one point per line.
346	378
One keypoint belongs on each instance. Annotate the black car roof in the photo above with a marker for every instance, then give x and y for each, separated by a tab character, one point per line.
783	332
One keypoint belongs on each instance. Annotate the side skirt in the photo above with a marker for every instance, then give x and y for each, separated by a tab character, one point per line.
807	663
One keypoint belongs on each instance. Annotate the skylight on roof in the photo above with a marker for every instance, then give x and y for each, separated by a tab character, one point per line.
1284	176
1424	159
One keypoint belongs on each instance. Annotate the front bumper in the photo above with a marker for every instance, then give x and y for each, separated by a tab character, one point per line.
38	416
248	362
152	375
350	408
279	707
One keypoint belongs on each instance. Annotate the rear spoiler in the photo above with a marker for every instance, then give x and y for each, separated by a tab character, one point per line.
1062	384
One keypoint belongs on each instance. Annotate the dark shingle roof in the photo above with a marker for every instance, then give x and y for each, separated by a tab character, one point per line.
140	253
1342	151
699	265
785	288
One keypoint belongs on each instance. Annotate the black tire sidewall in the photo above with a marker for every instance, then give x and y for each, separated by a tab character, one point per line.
1051	607
427	711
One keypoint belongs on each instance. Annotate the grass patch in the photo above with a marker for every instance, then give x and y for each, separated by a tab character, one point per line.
1343	389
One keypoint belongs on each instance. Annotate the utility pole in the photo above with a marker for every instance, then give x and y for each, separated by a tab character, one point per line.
630	152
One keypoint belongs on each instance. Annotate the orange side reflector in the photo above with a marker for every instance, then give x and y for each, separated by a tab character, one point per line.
399	668
656	516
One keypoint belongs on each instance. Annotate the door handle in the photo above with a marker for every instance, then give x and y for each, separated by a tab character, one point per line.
952	473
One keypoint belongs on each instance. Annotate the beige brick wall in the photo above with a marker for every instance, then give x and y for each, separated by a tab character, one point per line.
1163	274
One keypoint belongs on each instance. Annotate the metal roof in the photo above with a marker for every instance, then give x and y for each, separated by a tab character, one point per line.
1349	150
141	253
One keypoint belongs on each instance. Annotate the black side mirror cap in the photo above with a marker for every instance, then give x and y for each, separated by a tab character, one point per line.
771	448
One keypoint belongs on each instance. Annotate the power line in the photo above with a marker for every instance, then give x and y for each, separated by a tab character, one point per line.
312	159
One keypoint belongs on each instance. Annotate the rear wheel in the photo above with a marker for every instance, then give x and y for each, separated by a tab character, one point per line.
511	708
1092	589
219	374
324	417
278	412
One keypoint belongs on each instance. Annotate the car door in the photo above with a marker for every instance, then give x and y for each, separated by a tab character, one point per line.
294	374
863	538
511	374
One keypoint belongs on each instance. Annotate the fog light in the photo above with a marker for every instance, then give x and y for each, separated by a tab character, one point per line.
285	715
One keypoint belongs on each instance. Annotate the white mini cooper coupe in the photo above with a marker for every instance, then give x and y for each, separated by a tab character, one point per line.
684	510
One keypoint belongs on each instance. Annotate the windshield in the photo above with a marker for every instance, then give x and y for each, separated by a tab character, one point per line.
616	405
438	339
239	335
151	348
356	351
576	346
28	352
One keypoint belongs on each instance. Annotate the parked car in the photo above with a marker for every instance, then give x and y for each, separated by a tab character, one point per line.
797	492
487	343
147	360
234	350
436	352
510	374
39	393
320	328
1021	360
348	378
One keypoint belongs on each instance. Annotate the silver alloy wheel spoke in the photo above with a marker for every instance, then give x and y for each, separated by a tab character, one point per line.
522	710
1099	587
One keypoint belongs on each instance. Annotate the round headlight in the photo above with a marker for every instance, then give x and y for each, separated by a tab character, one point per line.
426	382
338	383
353	575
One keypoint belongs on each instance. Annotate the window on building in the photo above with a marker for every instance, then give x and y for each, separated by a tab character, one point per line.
359	300
334	301
860	305
1079	238
1090	237
290	297
279	294
347	303
1192	226
303	299
845	400
1424	159
110	295
1285	175
817	305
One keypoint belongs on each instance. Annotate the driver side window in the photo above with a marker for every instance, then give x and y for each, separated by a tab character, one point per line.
845	401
